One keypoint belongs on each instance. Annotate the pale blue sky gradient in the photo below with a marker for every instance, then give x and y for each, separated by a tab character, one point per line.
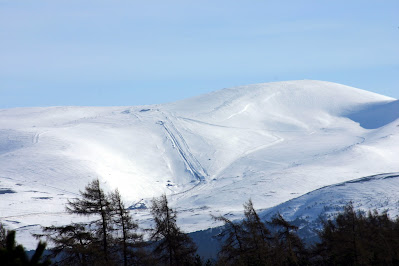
130	52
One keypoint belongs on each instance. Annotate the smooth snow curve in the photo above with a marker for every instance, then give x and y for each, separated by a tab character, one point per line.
376	115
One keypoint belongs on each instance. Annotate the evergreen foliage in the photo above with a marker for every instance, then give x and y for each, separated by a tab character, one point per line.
172	246
256	237
232	250
127	240
109	239
250	242
287	244
94	202
112	238
3	236
12	254
358	239
73	244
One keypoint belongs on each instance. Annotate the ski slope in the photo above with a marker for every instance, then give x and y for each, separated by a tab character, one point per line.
271	142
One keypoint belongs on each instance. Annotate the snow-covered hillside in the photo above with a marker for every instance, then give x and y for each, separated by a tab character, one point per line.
270	142
377	192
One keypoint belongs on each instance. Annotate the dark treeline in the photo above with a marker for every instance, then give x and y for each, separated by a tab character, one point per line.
13	254
112	237
352	238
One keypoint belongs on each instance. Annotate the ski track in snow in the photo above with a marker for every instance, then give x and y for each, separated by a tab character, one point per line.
251	151
31	214
206	123
240	112
191	162
36	137
278	140
346	148
193	165
34	183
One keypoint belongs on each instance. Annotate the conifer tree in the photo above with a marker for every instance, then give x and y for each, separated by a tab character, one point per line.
358	239
94	202
13	254
246	242
128	238
3	235
172	246
232	250
288	245
111	238
72	244
256	236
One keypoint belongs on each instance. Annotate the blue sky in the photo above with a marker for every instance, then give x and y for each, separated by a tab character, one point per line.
145	52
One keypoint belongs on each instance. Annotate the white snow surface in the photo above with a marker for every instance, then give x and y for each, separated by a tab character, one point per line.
271	142
377	192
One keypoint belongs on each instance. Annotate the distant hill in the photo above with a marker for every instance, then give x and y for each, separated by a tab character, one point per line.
271	142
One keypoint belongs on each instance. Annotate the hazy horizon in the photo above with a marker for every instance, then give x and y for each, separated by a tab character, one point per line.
119	53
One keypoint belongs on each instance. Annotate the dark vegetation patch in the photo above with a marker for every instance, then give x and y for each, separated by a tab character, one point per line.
45	198
6	191
138	206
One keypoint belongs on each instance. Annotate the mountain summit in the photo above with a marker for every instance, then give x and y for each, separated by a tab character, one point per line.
270	142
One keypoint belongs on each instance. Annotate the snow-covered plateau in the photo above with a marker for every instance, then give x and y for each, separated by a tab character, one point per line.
289	145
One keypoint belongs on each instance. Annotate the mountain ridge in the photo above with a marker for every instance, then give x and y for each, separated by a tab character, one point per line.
271	142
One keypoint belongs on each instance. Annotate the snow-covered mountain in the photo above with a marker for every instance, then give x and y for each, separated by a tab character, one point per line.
377	192
270	142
